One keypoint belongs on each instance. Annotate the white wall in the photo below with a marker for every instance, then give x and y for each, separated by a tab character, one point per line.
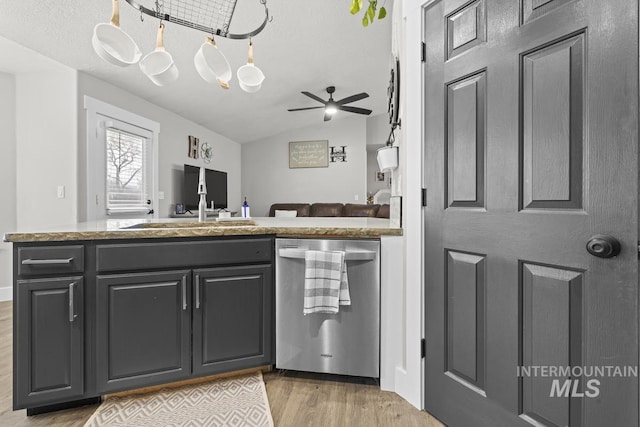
267	179
378	129
173	144
46	138
7	178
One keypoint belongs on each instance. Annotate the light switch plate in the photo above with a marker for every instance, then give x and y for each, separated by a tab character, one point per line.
160	195
60	191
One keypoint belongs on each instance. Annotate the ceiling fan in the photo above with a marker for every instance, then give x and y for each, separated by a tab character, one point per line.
331	107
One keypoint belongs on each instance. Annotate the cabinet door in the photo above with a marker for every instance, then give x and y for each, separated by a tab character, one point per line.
48	338
142	329
232	318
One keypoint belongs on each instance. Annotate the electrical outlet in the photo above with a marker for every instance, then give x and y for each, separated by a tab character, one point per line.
160	195
60	191
356	197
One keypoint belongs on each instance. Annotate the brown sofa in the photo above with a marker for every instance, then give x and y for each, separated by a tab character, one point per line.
332	209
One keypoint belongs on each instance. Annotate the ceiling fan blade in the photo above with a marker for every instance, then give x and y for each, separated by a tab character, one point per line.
354	109
327	117
353	98
305	108
312	96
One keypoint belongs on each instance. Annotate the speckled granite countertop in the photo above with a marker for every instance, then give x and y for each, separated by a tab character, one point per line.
179	227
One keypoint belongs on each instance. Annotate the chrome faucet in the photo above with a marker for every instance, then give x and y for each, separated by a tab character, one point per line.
202	191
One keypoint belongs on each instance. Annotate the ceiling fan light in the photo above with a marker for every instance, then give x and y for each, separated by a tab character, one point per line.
331	109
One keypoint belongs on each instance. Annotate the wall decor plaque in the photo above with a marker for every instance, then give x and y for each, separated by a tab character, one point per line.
308	154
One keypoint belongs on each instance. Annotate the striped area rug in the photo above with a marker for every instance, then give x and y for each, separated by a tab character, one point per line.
237	401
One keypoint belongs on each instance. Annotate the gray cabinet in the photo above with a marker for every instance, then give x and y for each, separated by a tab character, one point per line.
232	318
143	329
48	341
98	317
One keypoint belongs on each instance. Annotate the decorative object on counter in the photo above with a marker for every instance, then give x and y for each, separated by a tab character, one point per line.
308	154
194	147
202	192
338	155
116	47
246	212
206	152
331	107
158	65
112	44
380	176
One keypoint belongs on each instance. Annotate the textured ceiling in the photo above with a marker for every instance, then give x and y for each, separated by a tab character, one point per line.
309	45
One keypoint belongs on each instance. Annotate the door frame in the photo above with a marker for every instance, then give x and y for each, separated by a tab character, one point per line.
412	155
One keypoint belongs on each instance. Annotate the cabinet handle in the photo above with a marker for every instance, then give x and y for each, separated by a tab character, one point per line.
184	292
72	314
197	291
62	261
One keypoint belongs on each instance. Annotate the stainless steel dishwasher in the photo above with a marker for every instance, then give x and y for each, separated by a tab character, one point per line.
346	343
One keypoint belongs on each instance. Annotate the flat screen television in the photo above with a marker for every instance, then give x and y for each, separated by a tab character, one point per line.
216	188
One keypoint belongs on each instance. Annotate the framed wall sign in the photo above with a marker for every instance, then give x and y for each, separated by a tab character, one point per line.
308	154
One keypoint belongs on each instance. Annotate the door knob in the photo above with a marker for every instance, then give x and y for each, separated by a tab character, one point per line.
603	246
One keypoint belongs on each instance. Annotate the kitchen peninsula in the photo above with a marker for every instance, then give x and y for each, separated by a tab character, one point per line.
352	227
117	305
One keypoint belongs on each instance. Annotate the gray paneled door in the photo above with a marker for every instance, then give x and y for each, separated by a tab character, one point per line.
531	134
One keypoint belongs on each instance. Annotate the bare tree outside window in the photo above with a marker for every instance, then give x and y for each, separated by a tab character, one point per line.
125	171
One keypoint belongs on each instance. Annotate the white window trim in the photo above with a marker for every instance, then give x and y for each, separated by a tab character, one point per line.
96	110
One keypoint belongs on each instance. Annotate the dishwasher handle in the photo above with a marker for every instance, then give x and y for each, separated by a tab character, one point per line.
351	255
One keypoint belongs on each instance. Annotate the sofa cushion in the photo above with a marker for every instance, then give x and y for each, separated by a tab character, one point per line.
302	208
286	213
351	209
326	209
383	212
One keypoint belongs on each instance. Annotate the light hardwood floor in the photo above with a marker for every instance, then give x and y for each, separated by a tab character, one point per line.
296	399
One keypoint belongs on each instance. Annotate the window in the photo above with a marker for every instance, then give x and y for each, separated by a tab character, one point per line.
121	163
127	172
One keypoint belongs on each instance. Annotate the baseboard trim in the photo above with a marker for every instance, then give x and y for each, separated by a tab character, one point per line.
406	388
6	294
61	406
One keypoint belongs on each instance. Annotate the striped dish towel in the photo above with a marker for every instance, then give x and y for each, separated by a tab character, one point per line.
326	285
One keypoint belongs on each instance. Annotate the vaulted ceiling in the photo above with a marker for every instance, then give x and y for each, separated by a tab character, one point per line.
308	46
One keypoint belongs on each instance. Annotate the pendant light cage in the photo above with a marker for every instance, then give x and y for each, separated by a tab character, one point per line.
210	16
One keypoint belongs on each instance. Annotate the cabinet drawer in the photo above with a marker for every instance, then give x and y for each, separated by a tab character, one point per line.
145	256
50	259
